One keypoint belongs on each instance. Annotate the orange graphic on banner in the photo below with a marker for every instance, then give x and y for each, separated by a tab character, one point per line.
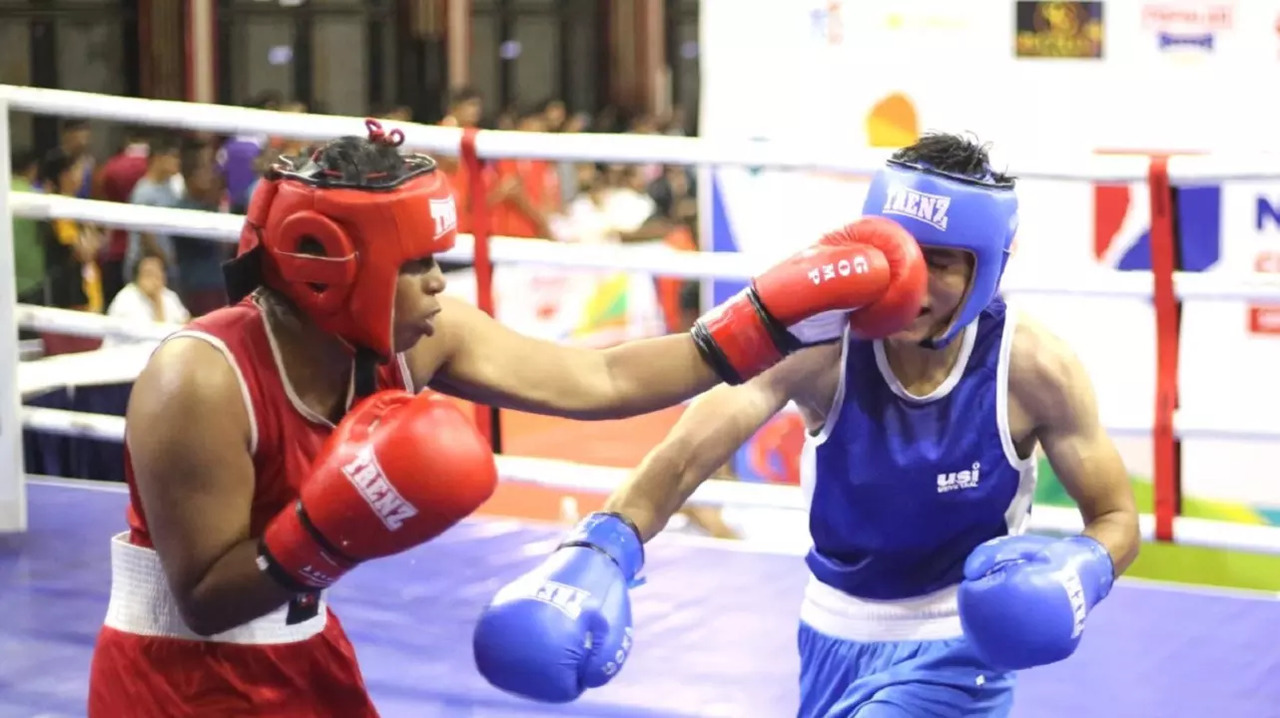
1265	318
893	123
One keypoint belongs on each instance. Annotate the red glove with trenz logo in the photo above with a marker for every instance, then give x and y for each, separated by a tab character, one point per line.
398	471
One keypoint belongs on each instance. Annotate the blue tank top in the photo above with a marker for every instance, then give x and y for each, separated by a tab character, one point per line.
902	488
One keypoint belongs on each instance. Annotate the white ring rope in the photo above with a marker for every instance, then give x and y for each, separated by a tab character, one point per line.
497	144
599	147
570	476
85	325
661	261
657	260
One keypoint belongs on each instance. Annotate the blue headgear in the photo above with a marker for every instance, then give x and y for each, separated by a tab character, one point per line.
941	209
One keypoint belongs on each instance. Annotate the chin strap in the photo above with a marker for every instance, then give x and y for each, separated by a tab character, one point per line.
366	373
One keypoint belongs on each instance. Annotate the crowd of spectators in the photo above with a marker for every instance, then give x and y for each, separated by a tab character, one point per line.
149	276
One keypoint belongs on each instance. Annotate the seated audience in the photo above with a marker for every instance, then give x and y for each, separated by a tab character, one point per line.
147	298
70	247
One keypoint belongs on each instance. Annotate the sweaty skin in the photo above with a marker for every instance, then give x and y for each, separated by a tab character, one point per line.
1051	404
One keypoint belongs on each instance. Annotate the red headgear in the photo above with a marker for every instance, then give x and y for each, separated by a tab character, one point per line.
367	231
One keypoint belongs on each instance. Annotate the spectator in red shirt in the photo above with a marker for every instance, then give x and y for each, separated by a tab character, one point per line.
529	190
114	183
465	110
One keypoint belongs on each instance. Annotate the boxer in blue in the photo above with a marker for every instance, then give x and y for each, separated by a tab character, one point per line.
925	594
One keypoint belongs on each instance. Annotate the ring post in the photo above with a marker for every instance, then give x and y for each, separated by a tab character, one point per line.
13	495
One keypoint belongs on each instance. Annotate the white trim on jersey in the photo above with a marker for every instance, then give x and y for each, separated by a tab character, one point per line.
289	392
223	349
809	451
837	401
930	617
1019	511
967	341
406	376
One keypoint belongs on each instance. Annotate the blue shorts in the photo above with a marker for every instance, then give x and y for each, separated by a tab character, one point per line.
897	679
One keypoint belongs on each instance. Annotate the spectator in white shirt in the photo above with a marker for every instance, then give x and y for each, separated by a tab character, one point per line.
147	298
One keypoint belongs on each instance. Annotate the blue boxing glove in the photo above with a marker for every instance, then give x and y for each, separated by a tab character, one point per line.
565	626
1024	599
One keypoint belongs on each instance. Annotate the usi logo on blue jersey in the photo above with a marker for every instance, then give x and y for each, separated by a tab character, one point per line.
957	480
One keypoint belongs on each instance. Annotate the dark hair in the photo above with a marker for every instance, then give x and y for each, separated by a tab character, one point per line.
53	165
137	133
360	160
266	100
149	254
21	160
387	109
163	143
194	158
545	105
463	94
74	123
954	154
530	112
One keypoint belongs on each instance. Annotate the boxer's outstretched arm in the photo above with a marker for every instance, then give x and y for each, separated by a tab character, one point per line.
1049	381
871	266
189	442
490	363
710	430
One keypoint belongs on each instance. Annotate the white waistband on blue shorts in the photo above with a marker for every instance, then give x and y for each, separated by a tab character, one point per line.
142	604
832	612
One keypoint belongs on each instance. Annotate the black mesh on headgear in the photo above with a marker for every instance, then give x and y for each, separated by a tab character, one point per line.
351	162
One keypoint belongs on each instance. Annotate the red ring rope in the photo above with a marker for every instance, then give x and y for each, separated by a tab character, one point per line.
478	211
1166	465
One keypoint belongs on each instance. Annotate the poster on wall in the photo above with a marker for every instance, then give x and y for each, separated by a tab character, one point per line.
1064	30
1045	84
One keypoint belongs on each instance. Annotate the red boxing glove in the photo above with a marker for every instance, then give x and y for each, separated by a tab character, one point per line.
871	265
397	472
908	281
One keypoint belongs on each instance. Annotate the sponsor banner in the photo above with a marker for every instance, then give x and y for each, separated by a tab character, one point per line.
1045	83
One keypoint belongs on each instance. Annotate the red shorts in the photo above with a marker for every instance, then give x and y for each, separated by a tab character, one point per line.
154	677
148	664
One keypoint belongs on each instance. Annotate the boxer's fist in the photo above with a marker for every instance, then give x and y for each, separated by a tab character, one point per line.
872	265
397	471
1024	599
566	625
899	306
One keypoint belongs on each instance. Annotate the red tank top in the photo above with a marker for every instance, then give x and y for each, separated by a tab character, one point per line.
286	435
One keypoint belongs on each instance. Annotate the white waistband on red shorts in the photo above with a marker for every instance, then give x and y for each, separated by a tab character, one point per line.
142	604
832	612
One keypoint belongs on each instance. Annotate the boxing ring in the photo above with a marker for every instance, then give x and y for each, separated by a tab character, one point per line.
715	624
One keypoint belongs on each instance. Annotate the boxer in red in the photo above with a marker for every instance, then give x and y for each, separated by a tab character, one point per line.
275	444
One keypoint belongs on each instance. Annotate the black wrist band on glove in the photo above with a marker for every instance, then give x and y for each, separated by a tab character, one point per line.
782	339
319	538
630	524
713	355
270	566
596	547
